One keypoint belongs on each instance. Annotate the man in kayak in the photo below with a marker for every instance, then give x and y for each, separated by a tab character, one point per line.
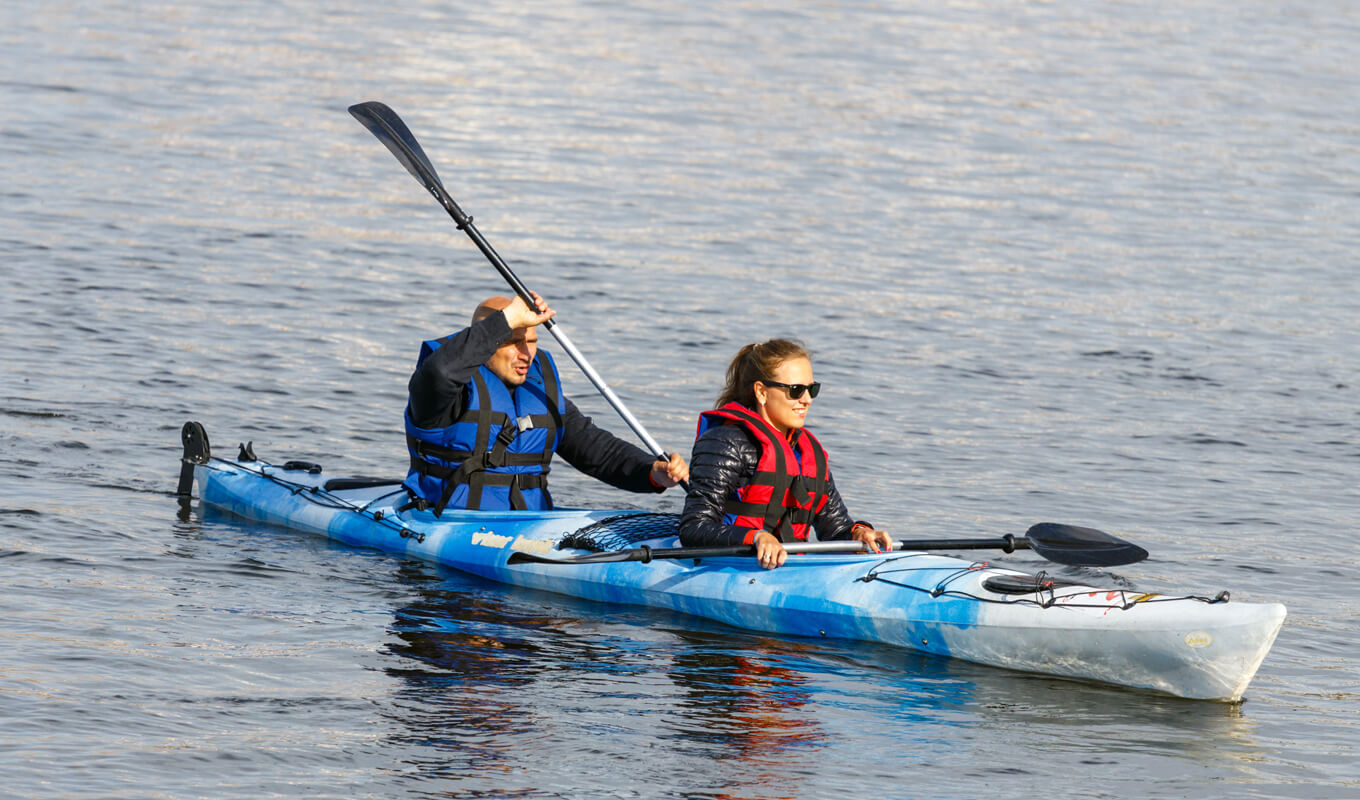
486	415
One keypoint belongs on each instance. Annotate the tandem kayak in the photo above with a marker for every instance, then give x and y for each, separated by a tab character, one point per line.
1196	647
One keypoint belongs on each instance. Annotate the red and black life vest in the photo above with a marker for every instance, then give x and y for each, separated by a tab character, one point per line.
790	485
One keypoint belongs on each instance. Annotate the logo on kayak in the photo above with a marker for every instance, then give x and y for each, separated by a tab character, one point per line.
488	539
1198	639
539	546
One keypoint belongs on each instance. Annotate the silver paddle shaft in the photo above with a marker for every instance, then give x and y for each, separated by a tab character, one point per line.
613	399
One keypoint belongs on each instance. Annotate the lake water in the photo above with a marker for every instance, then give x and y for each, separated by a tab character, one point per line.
1090	263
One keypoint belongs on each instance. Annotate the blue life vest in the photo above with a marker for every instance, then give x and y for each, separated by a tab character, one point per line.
496	455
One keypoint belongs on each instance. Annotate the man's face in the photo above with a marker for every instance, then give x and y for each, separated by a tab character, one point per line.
511	360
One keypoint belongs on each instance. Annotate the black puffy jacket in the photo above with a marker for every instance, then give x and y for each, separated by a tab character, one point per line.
725	459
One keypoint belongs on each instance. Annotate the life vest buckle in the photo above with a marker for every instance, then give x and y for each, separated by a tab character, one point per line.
507	435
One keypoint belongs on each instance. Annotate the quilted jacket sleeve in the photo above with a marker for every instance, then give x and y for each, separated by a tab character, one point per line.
724	458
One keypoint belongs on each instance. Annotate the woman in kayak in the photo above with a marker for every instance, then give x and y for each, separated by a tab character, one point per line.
757	477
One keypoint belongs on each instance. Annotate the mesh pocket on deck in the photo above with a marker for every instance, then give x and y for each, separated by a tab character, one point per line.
623	531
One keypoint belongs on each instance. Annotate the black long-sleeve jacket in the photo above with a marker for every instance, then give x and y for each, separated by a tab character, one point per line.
439	394
724	459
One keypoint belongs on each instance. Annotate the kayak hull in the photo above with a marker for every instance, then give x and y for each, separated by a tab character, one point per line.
1192	647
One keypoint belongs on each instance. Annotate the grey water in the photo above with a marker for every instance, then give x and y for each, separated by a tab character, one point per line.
1091	263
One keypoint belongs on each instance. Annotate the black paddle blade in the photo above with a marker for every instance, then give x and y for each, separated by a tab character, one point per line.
1082	547
384	123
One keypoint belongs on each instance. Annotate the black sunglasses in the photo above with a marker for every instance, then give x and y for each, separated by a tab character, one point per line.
796	389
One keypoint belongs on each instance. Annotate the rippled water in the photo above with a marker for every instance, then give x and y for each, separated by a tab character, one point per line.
1089	263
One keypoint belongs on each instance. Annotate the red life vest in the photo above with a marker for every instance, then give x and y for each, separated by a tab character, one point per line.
789	487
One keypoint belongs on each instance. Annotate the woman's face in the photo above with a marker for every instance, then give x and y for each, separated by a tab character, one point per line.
773	402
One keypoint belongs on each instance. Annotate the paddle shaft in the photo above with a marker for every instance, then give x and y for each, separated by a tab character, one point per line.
645	554
1007	543
747	549
385	124
1062	544
465	224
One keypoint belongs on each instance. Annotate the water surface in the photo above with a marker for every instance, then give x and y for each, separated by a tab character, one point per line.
1084	264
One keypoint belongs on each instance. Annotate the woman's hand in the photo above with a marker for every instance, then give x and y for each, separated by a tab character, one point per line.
769	550
875	541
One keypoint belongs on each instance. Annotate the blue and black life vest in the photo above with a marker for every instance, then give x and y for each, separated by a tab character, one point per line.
496	455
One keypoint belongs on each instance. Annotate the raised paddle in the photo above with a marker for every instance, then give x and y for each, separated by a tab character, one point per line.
384	123
1061	544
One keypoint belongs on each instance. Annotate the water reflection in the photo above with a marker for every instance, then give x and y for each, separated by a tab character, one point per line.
509	686
1100	724
745	707
462	664
493	680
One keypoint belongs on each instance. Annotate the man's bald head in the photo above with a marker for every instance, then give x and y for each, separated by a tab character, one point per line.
490	306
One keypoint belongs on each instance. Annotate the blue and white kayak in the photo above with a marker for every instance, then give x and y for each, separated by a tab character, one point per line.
1194	647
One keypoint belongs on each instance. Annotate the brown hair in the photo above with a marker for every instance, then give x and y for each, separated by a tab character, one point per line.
757	362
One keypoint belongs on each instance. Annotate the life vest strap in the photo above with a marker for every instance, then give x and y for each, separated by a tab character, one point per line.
517	481
475	478
486	459
500	418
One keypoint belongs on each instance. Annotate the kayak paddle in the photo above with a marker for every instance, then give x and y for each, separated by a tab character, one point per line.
384	123
1061	544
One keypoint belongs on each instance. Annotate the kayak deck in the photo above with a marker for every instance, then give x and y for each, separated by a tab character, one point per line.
1193	647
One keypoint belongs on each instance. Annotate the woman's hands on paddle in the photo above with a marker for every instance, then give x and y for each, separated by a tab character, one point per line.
519	315
874	540
667	473
770	551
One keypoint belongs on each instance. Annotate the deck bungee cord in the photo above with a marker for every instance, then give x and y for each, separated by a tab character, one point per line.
323	497
198	453
1041	585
